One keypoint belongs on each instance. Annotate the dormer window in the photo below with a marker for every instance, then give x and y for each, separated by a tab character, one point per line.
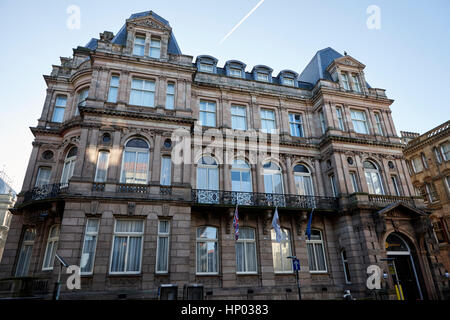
139	46
205	67
155	48
235	68
288	82
206	64
234	72
262	77
288	78
345	82
356	83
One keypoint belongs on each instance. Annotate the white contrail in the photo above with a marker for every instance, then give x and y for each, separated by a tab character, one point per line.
240	22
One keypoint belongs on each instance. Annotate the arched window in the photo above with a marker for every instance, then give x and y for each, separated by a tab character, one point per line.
316	252
69	166
273	179
135	163
207	174
246	251
281	251
52	245
241	178
303	181
25	252
207	250
373	178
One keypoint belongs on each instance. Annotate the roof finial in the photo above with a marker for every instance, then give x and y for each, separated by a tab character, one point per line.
345	53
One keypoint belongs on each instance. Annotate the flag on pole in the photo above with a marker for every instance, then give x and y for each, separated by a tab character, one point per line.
308	228
236	224
276	225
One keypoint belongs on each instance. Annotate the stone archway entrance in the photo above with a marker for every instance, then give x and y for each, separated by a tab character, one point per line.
403	265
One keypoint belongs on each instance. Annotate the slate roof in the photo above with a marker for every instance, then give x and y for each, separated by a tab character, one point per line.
121	36
317	67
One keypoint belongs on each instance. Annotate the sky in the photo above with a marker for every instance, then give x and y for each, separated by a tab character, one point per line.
407	55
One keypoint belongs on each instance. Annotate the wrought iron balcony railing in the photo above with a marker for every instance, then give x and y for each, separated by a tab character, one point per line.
44	192
263	199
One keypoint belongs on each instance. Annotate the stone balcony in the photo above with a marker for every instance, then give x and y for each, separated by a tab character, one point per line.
375	201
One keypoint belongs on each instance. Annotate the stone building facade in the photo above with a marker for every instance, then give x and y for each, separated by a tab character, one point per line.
428	160
7	200
142	155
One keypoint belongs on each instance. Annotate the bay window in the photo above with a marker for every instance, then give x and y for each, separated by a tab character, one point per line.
69	166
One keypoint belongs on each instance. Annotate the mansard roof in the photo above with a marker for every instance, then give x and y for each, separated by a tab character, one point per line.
316	69
121	37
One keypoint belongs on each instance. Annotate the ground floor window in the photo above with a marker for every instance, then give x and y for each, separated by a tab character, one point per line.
316	253
126	253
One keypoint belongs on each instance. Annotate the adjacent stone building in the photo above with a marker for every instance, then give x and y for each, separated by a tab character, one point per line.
428	160
142	155
7	200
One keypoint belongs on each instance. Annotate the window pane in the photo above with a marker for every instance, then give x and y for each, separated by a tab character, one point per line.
166	171
164	227
240	257
134	255
58	115
320	257
87	256
102	166
24	260
43	177
127	226
251	256
207	233
202	257
163	249
311	257
119	251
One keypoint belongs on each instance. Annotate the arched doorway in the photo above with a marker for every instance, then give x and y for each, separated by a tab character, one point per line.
401	265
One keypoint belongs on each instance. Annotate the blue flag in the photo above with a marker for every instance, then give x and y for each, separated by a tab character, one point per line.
276	225
308	228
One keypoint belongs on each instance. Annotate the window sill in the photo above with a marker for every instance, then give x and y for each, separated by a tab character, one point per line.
207	274
128	275
247	274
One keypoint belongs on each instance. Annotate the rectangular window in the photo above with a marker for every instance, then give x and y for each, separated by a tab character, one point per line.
296	124
316	253
323	124
206	67
43	177
424	160
162	255
170	96
166	171
50	250
440	231
238	118
268	124
356	83
333	185
155	48
445	148
345	82
143	93
139	46
437	154
396	186
207	251
288	82
89	246
102	167
26	251
431	190
340	118
346	268
126	253
234	72
207	113
262	77
354	181
281	251
378	121
246	251
359	121
113	89
447	181
417	164
60	107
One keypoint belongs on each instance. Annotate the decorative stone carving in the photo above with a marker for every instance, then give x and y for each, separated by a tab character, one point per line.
131	208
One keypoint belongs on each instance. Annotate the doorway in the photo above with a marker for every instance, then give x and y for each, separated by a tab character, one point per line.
403	268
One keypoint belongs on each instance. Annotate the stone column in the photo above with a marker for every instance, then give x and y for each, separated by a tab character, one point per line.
290	176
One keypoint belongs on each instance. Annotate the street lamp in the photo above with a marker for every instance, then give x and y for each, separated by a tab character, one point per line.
294	258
